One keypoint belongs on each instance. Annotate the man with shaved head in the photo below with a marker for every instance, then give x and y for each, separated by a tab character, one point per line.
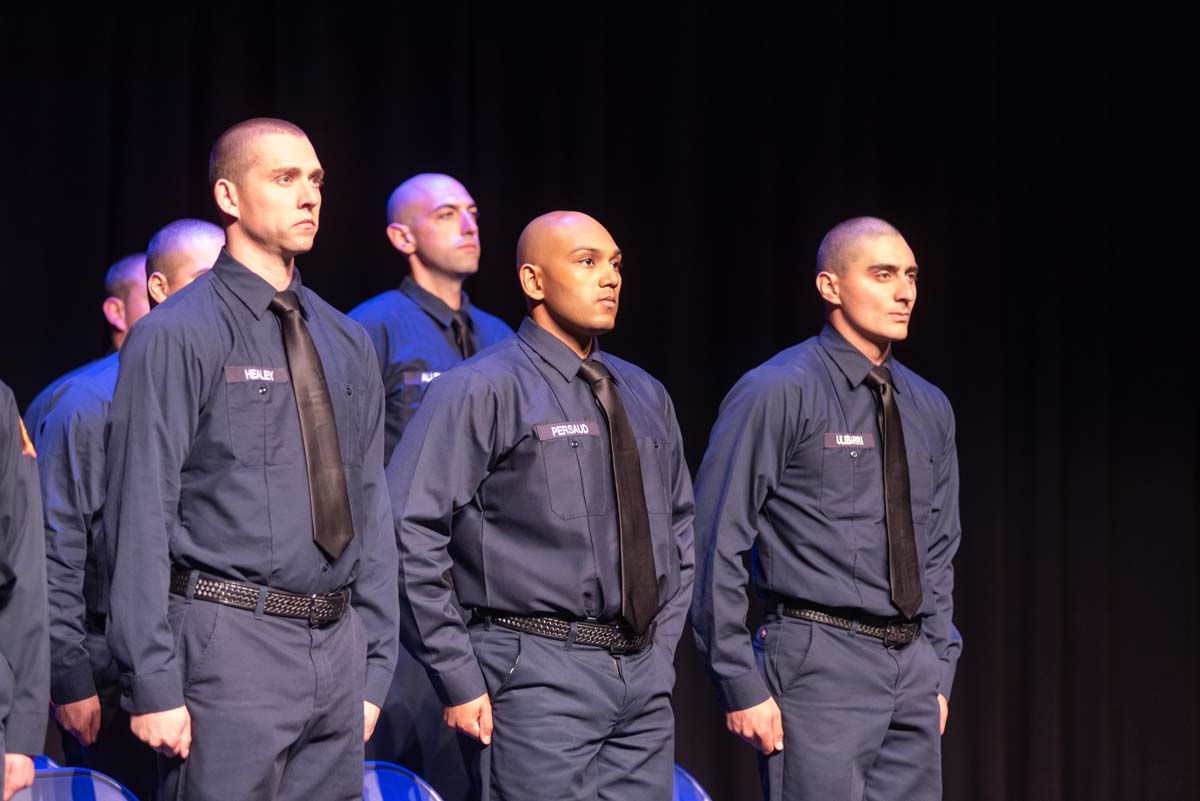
125	304
428	324
547	479
83	688
835	466
421	329
253	594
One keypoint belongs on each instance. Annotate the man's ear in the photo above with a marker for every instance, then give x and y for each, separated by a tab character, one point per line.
114	312
226	195
828	287
402	239
530	276
158	287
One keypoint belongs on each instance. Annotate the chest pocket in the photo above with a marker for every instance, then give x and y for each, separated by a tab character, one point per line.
257	409
920	483
652	453
349	409
568	459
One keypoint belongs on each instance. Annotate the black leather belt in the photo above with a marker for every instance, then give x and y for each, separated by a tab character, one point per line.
319	609
898	631
612	638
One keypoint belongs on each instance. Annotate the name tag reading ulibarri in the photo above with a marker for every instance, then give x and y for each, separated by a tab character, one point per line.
559	430
849	440
238	375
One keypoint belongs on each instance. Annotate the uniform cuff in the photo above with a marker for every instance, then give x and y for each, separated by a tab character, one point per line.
947	680
459	686
25	732
154	692
745	691
378	680
72	683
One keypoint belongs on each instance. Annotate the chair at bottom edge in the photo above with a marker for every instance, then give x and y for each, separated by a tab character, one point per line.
687	788
384	781
73	784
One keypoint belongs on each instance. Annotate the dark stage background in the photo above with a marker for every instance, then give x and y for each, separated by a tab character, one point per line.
1039	164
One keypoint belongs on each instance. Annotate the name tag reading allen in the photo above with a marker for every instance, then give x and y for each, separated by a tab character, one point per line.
414	378
559	430
849	440
238	375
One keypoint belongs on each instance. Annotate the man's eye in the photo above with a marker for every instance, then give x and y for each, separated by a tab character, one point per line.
616	265
284	179
588	261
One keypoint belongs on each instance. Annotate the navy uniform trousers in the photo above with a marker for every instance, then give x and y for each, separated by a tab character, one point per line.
574	722
260	688
860	719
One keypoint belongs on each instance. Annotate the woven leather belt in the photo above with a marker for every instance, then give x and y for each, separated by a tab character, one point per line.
318	609
612	638
892	632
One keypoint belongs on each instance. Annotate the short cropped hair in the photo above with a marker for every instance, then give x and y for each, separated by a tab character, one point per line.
174	237
835	248
125	275
232	157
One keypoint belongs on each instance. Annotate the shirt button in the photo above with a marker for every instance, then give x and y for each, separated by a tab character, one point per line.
349	391
324	568
262	390
853	454
574	443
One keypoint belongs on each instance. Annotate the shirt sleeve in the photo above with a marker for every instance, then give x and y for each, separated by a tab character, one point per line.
671	620
152	423
443	457
374	590
746	456
945	533
71	465
24	643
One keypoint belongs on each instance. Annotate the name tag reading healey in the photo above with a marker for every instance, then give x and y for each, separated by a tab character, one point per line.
560	430
849	440
238	375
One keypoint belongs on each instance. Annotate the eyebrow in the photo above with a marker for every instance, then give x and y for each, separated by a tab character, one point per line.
296	171
892	268
589	249
455	207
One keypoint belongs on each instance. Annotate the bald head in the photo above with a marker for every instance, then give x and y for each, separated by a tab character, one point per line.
553	234
419	194
125	274
234	153
179	253
570	271
839	246
125	286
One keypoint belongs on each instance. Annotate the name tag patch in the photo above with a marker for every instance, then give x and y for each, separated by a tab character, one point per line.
414	378
559	430
239	375
849	440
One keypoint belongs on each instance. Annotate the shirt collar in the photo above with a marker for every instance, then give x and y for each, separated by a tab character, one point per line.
554	351
434	306
850	360
250	288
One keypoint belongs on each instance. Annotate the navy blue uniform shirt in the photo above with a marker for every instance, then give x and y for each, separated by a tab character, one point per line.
411	330
794	471
504	479
43	402
207	471
71	465
24	644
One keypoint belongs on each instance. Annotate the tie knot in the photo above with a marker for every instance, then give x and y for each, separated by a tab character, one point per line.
593	371
878	378
284	302
459	319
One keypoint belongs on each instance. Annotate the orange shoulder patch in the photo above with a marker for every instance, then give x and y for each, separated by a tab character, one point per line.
27	448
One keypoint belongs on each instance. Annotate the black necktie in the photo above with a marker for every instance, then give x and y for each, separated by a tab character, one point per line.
462	334
902	545
639	588
330	504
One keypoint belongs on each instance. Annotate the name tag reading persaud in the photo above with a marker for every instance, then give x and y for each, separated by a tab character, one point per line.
239	375
560	430
849	440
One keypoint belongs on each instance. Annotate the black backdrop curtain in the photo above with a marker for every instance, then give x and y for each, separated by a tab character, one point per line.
1038	162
